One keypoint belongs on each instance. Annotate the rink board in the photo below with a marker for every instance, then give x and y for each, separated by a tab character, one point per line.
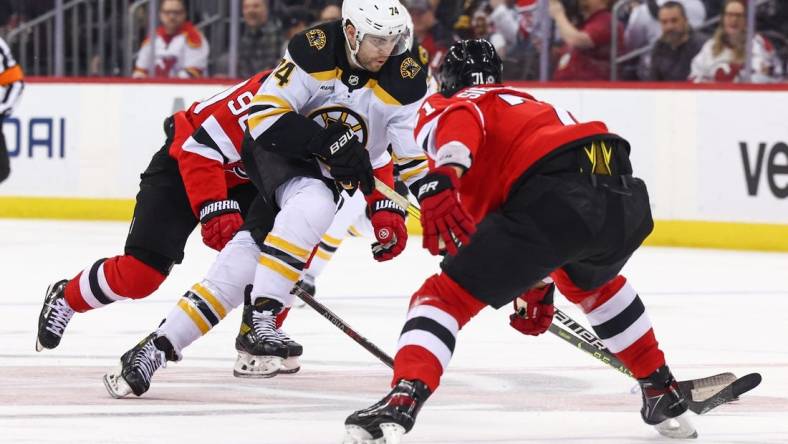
717	177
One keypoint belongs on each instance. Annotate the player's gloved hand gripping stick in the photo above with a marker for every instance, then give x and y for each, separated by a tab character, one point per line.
445	221
338	147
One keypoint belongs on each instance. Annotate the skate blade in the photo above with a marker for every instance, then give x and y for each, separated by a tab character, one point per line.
250	366
392	434
290	365
679	427
116	386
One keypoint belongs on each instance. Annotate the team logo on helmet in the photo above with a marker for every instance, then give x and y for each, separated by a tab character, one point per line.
333	114
409	68
316	38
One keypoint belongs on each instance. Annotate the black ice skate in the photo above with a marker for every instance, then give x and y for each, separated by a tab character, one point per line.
294	351
138	365
54	317
664	406
386	421
261	352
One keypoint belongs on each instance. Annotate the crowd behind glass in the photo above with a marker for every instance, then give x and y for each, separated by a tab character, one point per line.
659	40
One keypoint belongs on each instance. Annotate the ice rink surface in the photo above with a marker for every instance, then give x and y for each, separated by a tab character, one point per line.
713	311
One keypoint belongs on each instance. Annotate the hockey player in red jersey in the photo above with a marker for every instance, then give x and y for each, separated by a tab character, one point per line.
538	200
197	177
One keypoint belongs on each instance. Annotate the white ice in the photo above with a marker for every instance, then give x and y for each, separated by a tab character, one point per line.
713	311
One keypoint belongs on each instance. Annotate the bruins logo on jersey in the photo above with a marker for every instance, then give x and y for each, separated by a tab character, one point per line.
316	38
333	114
409	68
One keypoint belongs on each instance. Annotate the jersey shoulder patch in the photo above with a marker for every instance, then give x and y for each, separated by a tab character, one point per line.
404	78
314	50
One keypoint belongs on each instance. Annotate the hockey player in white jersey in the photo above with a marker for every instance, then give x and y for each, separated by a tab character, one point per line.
344	91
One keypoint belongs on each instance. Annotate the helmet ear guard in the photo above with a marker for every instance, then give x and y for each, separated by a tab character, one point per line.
469	63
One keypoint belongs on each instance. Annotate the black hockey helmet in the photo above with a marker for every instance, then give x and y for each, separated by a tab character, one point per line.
469	63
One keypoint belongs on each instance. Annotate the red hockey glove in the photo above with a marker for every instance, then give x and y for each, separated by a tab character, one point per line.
533	311
388	223
442	215
220	220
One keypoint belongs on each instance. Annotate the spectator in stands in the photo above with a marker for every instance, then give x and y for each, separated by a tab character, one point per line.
481	29
433	36
586	51
179	49
295	20
643	28
723	56
330	12
675	49
504	19
11	86
261	39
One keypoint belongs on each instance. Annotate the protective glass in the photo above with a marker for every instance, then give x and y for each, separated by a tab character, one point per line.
392	44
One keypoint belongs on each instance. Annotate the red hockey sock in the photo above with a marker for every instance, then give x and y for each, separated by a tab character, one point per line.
110	280
438	310
619	318
280	318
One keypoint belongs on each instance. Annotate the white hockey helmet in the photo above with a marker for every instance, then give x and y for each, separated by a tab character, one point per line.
383	21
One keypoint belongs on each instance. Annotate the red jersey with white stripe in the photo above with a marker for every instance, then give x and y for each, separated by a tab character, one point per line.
498	133
208	139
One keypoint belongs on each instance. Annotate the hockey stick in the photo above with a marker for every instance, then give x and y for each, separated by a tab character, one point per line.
578	342
397	198
707	388
342	325
703	394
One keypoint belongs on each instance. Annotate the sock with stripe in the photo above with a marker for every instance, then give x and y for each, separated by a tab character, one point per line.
195	314
619	318
438	310
110	280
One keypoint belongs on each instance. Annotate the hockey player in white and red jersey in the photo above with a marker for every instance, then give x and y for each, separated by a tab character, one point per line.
196	178
179	49
344	91
529	192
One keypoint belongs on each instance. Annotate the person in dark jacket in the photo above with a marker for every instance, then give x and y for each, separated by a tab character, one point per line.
673	52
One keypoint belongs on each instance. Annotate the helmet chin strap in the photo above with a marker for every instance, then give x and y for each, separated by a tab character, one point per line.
350	51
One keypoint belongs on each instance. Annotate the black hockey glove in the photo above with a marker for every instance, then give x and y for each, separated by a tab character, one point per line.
338	147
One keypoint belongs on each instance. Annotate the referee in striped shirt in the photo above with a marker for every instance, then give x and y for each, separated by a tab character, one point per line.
11	86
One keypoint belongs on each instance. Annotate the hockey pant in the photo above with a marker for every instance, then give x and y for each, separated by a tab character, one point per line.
307	208
440	308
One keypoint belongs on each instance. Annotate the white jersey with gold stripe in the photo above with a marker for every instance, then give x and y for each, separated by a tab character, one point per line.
315	80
